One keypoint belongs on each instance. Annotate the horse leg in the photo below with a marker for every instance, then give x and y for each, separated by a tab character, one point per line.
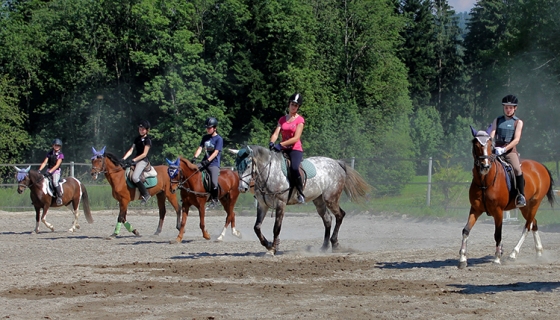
261	213
37	219
182	222
202	214
473	216
75	211
277	227
321	206
498	221
161	206
228	203
43	218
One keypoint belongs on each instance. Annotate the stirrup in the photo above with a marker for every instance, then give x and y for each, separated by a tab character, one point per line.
521	201
300	199
59	201
213	203
146	198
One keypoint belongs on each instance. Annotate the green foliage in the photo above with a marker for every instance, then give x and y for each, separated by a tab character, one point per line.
447	181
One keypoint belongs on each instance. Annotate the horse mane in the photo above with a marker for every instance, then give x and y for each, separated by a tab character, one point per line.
35	176
114	159
261	154
189	164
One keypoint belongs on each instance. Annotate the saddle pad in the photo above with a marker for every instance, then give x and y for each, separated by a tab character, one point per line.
50	187
306	165
149	183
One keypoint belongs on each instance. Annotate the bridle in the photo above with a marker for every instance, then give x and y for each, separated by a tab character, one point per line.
103	169
182	181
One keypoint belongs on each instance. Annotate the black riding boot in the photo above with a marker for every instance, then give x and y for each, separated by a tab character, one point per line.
520	181
213	198
59	195
299	187
145	195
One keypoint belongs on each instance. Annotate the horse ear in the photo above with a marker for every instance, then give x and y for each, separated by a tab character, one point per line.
28	168
168	161
489	129
93	150
102	152
18	169
177	162
234	151
474	132
249	150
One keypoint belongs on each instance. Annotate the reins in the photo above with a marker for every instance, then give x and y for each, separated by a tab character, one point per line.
182	182
263	190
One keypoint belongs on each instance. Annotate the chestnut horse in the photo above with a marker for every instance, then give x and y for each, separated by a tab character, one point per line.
186	176
42	196
489	193
109	164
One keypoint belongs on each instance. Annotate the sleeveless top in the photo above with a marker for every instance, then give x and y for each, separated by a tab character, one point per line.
139	144
53	157
505	130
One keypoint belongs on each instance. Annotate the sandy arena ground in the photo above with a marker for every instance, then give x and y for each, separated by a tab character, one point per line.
389	268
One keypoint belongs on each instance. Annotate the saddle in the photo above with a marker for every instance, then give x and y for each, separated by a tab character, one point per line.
206	181
510	178
306	169
50	187
148	176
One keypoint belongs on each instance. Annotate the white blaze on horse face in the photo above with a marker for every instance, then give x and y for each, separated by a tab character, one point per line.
484	139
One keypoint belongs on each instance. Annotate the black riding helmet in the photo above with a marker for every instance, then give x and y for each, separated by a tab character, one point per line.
211	122
296	98
57	142
509	100
144	124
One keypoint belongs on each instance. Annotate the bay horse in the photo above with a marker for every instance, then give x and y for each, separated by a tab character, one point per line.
489	193
73	192
186	176
271	187
109	164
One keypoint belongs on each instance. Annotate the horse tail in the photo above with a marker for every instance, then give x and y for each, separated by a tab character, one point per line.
355	187
550	192
87	209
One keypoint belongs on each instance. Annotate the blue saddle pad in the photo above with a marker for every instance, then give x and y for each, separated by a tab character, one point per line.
306	165
149	183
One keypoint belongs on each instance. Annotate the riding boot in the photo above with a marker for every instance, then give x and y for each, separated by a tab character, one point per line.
520	182
58	195
145	195
299	187
213	198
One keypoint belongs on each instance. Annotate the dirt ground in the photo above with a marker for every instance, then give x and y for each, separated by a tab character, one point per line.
391	267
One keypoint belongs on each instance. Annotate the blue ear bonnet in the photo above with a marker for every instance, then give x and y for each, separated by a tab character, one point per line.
174	167
21	175
242	160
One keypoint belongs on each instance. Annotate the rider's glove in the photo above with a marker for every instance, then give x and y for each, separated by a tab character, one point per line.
47	174
499	151
193	160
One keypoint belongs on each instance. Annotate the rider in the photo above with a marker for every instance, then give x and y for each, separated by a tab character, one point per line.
52	161
142	143
213	144
291	127
506	132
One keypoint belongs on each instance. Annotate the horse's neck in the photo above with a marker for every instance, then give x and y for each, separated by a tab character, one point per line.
269	170
489	178
191	177
112	171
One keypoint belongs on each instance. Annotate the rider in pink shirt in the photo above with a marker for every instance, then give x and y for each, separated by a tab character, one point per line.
291	127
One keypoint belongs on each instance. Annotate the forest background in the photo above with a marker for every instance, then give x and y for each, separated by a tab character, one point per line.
387	82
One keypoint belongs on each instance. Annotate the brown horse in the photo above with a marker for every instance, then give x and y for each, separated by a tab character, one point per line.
42	196
187	177
489	193
109	164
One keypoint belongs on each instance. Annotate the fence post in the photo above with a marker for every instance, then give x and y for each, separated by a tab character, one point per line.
352	162
429	182
72	169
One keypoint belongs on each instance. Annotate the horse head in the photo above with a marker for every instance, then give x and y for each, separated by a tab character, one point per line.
244	166
174	172
23	179
97	162
482	149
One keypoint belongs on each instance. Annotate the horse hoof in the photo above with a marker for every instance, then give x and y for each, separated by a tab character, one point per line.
136	233
220	238
271	252
111	237
206	236
462	264
176	241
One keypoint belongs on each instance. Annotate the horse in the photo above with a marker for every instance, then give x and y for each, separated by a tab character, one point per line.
264	168
110	165
489	193
73	191
186	176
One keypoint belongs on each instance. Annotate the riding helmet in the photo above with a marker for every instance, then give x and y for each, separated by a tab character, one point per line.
297	98
211	122
509	100
57	142
144	124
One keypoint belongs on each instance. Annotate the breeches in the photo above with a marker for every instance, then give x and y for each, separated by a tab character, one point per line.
214	173
55	179
295	157
513	159
140	166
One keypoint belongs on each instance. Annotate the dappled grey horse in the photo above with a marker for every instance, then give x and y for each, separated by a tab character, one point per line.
265	169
